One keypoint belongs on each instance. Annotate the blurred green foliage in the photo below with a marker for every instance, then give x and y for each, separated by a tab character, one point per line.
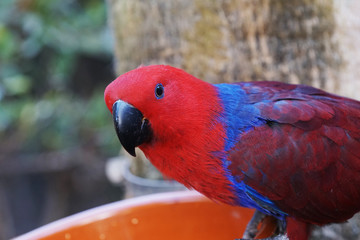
46	50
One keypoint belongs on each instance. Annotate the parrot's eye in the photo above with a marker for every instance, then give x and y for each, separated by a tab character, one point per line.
159	91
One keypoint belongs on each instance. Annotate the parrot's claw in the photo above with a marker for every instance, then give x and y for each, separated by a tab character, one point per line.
274	225
252	227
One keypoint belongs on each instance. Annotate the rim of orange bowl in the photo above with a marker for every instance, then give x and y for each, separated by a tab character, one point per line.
108	210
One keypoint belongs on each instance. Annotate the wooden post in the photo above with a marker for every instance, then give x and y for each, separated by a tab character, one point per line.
299	41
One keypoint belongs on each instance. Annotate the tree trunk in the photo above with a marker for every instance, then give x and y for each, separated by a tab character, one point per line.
299	41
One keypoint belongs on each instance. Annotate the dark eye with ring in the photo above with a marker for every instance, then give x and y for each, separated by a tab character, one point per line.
159	91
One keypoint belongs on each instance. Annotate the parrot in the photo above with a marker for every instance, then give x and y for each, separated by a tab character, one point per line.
288	151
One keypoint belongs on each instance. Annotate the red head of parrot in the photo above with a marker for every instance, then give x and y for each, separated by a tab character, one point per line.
169	115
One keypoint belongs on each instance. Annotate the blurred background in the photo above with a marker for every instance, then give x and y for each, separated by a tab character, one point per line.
58	149
55	131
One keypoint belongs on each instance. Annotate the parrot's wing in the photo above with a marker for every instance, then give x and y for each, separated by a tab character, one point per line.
306	157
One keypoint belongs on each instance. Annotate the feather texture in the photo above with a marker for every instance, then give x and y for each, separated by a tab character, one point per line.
305	157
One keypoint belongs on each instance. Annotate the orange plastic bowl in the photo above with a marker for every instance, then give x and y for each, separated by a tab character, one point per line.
164	216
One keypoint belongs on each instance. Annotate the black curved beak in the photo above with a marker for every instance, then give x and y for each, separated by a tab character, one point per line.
131	127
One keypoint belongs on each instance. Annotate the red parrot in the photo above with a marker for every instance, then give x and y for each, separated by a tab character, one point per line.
289	151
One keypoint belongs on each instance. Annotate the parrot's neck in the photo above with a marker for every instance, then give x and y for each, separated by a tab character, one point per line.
194	155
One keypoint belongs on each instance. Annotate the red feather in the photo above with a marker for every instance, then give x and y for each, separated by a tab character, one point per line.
308	159
183	124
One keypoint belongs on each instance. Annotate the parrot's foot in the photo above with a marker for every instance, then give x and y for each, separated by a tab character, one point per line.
252	227
269	225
